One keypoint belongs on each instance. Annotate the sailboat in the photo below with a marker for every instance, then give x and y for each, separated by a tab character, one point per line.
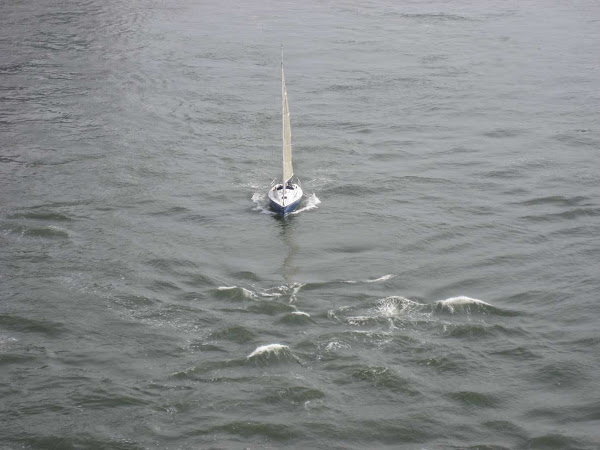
285	197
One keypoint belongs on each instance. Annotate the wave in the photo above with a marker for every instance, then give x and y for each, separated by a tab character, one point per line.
454	304
394	306
50	231
296	318
468	305
235	293
272	354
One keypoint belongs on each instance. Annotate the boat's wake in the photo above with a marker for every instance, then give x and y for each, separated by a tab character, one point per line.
261	202
310	202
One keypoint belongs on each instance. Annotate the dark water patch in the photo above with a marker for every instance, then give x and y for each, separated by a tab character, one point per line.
356	190
101	399
568	414
49	232
475	399
163	286
25	325
504	132
586	343
434	17
207	367
296	318
531	296
380	377
237	334
561	374
172	211
557	441
295	395
270	307
50	216
198	280
517	353
506	428
70	442
504	174
558	200
443	364
171	265
7	359
204	347
415	179
572	214
245	275
251	429
487	447
578	140
370	433
476	330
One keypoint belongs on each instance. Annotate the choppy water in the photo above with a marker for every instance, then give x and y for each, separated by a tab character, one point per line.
438	289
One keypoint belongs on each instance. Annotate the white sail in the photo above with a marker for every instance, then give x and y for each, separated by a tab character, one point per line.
288	171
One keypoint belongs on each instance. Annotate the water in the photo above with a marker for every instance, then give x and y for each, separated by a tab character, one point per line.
437	289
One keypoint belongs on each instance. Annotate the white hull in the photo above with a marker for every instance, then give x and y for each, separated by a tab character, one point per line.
285	201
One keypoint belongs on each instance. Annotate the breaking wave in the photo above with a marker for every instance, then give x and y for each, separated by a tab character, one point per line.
272	354
235	293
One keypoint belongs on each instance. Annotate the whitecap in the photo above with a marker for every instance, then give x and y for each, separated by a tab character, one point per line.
275	349
300	313
336	345
393	306
453	302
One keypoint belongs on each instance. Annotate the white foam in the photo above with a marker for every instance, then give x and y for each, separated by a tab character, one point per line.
262	203
270	348
359	320
336	345
300	313
382	278
376	280
461	300
393	306
312	202
245	292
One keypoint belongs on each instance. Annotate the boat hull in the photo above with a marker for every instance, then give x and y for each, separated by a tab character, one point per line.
284	206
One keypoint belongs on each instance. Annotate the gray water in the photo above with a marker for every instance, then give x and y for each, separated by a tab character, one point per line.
438	288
